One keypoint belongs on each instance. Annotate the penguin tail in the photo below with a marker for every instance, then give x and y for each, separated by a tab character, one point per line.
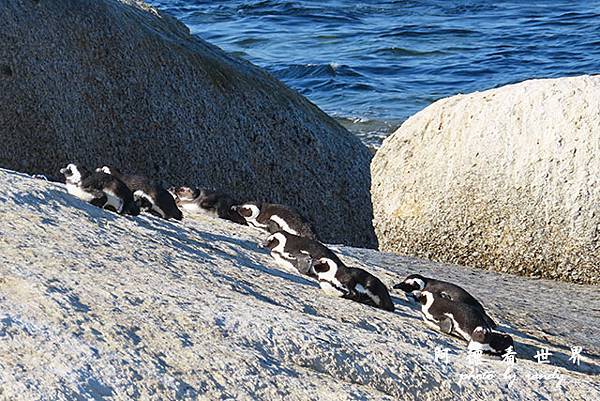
490	322
387	304
177	215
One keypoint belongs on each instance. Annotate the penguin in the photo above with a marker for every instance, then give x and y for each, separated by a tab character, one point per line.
313	259
99	189
206	201
273	217
152	196
352	283
452	292
490	342
297	253
462	320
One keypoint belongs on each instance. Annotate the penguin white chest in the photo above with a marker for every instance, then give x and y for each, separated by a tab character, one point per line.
330	290
282	262
114	201
425	308
329	282
456	327
254	223
193	207
75	190
283	224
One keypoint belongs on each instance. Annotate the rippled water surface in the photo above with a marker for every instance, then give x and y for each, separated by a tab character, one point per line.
372	64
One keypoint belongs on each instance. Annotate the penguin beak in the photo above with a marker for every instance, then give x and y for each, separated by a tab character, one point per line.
404	287
63	170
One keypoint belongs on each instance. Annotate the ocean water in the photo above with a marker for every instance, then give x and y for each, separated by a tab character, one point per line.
372	64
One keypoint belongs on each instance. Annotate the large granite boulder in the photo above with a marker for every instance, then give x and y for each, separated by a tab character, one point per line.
98	306
506	179
118	82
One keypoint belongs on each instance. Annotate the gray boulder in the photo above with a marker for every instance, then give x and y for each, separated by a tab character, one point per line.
506	179
98	306
118	82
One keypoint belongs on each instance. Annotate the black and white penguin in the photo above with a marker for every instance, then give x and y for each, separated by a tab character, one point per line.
273	217
490	342
462	320
206	201
311	258
452	292
352	283
99	189
297	253
147	193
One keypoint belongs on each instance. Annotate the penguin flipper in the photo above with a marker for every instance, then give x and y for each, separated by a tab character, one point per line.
273	227
490	322
304	264
445	325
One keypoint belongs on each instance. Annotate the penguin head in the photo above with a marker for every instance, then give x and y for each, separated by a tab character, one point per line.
186	193
110	170
73	173
274	241
249	211
500	342
324	265
490	341
480	335
414	282
423	297
324	268
171	191
105	170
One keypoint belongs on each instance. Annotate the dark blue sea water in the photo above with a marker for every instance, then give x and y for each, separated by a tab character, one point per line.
372	64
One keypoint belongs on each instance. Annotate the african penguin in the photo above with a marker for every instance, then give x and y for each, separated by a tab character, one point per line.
99	189
147	193
490	341
297	253
352	283
273	217
452	292
462	320
311	258
206	201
